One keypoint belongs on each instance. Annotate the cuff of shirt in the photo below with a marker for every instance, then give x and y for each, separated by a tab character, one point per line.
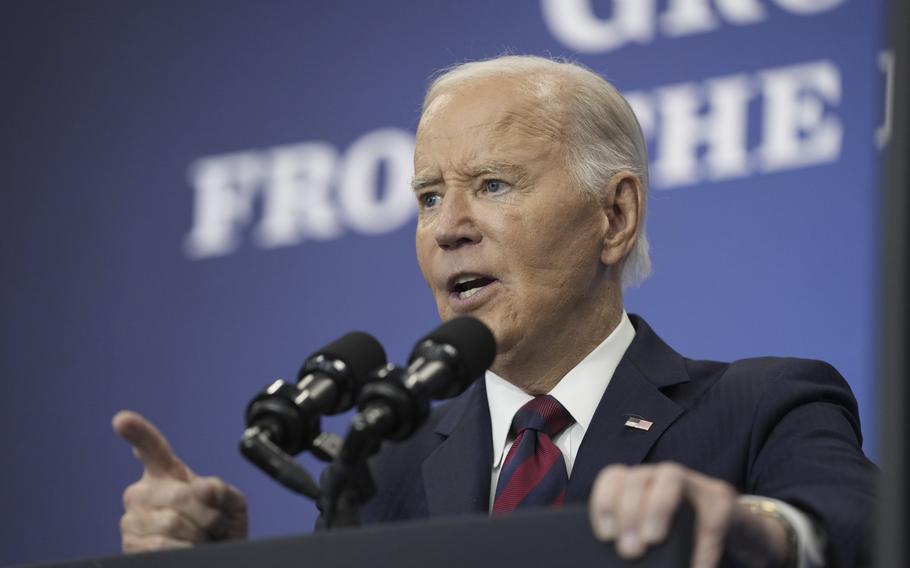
810	541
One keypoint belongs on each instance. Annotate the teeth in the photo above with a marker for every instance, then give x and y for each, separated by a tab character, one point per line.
468	293
464	279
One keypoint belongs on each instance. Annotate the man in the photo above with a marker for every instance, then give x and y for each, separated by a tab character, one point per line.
531	179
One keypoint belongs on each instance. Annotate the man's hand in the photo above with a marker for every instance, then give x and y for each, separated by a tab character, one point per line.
635	505
170	506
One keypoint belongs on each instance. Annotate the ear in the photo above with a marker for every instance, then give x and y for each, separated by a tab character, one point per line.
622	206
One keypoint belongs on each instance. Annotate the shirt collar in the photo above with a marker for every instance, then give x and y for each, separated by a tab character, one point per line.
579	391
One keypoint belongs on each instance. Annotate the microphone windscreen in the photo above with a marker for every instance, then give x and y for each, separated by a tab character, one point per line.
360	351
473	341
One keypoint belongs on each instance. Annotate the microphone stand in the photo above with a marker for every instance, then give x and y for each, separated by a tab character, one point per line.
347	483
393	404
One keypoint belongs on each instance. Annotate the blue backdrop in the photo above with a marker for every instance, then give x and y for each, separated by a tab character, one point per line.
198	194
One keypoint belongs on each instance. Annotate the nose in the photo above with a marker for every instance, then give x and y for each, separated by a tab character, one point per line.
455	224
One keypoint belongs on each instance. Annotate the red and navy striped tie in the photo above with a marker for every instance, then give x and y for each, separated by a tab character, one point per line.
534	472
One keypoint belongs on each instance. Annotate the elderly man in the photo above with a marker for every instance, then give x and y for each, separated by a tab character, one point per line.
531	179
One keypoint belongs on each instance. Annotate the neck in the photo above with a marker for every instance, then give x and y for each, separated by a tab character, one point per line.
538	365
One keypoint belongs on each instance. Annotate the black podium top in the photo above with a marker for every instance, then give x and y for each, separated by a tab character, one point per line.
539	538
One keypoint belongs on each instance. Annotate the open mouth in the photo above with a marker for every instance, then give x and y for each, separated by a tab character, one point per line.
467	285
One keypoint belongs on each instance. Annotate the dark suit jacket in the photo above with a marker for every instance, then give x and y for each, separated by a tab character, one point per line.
782	428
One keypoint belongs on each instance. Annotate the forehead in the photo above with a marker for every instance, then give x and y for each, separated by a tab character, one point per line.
489	119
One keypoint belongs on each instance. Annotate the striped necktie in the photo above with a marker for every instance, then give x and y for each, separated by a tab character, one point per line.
534	471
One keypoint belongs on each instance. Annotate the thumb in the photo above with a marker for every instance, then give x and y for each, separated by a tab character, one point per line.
150	446
227	499
219	495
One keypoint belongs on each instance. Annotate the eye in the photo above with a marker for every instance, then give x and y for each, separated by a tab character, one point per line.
494	186
429	200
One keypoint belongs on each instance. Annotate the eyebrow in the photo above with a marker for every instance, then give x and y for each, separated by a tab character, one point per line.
421	182
487	169
494	168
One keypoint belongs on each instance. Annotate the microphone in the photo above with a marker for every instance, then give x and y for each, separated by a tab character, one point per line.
450	357
327	383
442	365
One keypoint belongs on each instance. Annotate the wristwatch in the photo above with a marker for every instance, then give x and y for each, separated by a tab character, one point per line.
770	509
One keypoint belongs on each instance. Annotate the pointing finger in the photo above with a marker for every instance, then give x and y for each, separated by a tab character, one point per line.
149	446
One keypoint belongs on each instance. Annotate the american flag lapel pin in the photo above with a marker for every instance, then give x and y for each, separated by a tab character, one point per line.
638	423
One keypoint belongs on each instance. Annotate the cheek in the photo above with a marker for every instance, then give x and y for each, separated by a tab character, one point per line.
550	263
571	243
538	247
424	259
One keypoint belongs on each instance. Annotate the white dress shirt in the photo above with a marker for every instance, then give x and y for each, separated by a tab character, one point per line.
580	392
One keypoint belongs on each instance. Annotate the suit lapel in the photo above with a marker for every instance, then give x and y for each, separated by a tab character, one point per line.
456	475
635	390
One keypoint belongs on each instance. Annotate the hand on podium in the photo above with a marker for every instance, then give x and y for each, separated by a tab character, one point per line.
634	506
170	506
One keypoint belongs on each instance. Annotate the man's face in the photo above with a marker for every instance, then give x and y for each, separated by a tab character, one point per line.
503	234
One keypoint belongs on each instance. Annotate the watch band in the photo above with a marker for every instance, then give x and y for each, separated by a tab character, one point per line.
770	509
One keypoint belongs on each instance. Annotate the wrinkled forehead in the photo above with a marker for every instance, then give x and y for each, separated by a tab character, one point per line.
522	104
492	113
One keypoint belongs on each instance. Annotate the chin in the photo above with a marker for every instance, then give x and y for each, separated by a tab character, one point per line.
445	314
504	339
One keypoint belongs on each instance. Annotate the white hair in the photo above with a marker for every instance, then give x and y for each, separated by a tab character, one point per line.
601	134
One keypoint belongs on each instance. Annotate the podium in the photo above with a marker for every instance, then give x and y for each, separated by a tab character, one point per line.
538	538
